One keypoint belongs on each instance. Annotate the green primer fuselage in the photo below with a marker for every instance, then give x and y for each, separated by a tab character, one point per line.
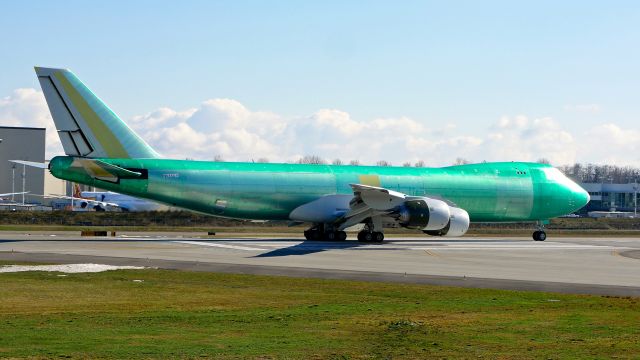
489	192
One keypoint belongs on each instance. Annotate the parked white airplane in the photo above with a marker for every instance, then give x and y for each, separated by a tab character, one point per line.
2	196
107	201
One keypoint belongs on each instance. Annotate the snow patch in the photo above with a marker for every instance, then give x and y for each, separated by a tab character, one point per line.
66	268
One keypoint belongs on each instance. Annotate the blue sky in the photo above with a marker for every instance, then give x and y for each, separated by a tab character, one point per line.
464	65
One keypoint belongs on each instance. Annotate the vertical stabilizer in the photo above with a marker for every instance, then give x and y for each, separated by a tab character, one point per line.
87	127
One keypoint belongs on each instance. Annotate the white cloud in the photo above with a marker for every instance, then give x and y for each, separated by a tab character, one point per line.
610	144
227	128
521	138
583	108
27	107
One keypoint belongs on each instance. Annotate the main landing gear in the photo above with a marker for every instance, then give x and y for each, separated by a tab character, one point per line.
370	234
540	234
322	233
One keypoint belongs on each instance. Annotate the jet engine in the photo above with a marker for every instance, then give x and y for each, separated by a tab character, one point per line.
457	226
424	213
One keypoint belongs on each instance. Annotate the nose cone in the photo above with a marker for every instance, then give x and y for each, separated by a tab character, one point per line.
580	197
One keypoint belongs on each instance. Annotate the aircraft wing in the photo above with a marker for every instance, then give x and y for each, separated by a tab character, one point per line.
15	193
370	202
349	210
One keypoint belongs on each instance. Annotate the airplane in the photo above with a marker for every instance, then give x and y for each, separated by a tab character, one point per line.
7	203
102	151
111	201
106	200
3	196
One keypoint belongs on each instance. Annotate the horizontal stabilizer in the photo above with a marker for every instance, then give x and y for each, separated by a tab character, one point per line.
30	163
103	171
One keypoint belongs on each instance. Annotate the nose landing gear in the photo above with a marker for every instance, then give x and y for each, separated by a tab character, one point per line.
539	234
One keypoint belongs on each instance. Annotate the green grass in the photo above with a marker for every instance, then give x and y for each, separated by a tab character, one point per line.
174	314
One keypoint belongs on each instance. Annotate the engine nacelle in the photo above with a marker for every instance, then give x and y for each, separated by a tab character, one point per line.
457	226
424	213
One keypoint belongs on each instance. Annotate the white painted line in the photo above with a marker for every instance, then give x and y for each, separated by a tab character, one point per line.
497	247
219	245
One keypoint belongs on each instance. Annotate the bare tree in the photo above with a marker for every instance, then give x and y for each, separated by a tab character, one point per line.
263	160
312	159
543	161
337	162
383	163
354	162
591	173
406	164
419	163
461	161
218	158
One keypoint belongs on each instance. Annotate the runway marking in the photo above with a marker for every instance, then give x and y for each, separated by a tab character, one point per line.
426	247
431	253
502	247
220	245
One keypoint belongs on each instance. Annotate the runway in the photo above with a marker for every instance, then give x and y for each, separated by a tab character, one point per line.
608	266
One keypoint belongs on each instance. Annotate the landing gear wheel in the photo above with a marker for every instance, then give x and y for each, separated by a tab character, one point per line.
312	235
365	236
378	237
331	236
342	236
539	235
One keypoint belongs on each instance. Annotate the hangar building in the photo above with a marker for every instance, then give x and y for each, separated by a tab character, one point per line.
606	196
22	143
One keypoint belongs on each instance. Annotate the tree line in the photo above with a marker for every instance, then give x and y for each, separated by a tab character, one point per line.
592	173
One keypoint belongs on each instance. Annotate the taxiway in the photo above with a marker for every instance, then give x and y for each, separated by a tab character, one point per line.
608	266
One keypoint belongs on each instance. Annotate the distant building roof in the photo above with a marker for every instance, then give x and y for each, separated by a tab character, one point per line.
22	128
608	187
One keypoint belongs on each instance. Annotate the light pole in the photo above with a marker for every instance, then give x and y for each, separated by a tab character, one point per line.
635	198
13	182
24	177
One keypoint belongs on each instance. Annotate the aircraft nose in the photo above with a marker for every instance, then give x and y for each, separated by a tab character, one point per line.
581	197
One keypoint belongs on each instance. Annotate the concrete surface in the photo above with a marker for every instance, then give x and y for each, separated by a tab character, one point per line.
591	265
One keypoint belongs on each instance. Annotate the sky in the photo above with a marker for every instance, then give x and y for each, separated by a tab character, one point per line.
397	81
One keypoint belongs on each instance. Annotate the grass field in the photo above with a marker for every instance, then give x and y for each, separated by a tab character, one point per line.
174	314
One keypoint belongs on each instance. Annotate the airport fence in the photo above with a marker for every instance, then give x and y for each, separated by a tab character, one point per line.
182	219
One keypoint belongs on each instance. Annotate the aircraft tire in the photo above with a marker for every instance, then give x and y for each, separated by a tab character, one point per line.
331	236
539	235
378	237
342	236
365	236
312	235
